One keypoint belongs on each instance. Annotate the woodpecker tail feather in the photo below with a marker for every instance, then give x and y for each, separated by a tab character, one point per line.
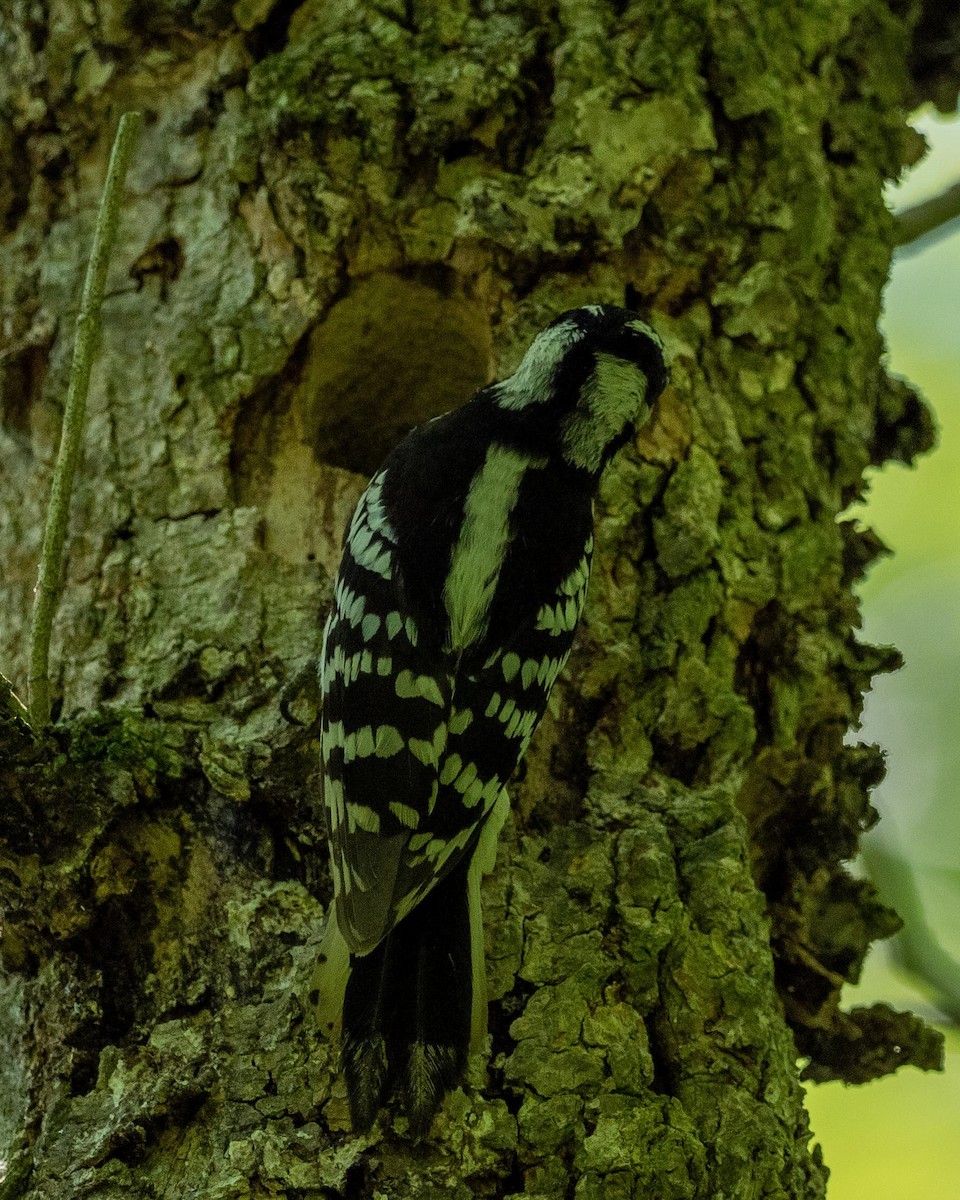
408	1009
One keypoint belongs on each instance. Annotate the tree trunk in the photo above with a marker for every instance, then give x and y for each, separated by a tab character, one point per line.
341	219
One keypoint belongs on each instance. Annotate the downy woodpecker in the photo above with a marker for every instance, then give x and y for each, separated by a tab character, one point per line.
463	576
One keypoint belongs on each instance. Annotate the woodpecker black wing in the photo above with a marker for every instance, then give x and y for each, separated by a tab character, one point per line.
404	800
388	708
419	738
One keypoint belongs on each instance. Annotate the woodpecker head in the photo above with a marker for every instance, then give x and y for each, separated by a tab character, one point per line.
593	374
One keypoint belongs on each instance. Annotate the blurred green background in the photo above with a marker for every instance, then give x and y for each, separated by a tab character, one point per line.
899	1137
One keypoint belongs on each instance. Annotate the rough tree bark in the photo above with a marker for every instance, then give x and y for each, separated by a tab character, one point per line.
341	219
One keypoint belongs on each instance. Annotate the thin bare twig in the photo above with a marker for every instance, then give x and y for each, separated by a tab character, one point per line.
932	215
85	346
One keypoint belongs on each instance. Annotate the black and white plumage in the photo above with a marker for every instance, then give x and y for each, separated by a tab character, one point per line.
463	576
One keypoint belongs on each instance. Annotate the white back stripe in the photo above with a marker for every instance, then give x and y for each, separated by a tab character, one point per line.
479	552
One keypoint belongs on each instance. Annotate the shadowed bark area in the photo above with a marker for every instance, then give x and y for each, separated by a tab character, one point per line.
342	218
